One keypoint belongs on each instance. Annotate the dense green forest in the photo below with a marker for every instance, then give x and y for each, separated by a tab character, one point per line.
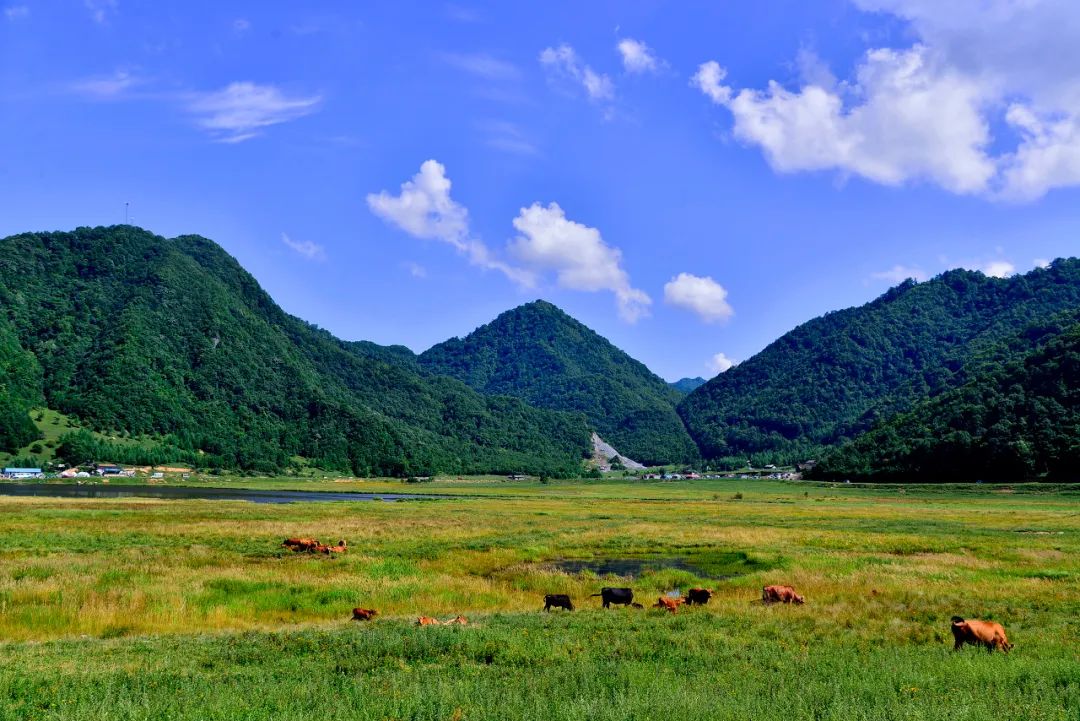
1016	418
540	354
172	340
836	376
688	385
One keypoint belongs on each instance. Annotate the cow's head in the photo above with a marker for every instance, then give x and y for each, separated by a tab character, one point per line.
798	599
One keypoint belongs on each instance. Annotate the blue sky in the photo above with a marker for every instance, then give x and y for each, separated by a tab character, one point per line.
689	179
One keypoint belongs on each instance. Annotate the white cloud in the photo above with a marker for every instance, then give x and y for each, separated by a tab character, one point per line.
701	295
924	113
16	12
240	111
900	273
577	254
483	65
637	57
100	10
708	80
996	268
107	87
306	248
564	62
1041	263
720	363
424	209
416	270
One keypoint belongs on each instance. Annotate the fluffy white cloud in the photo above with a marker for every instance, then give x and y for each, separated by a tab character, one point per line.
637	57
577	254
564	62
424	209
701	295
996	268
240	111
709	79
912	120
720	363
16	12
900	273
923	113
306	248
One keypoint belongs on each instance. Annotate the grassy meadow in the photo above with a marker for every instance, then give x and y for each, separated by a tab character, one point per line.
147	609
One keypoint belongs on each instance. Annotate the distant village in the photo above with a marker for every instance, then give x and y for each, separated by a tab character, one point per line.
101	471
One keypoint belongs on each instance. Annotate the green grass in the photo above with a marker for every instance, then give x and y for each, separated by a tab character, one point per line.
144	609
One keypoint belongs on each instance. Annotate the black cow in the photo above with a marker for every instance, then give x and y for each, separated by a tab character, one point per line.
616	596
698	596
557	600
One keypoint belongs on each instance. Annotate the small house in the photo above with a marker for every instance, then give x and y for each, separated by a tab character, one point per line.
18	473
104	469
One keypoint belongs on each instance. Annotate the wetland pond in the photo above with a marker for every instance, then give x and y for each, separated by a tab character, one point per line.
712	565
63	490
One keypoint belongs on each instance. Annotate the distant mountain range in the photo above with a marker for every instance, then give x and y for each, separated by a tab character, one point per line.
167	350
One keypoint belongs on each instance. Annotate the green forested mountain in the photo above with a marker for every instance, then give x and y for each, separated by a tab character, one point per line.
1017	418
688	385
173	340
540	354
836	376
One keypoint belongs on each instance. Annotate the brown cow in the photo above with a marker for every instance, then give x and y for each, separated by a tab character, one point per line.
364	614
668	604
979	633
699	596
782	594
458	620
300	544
339	548
428	621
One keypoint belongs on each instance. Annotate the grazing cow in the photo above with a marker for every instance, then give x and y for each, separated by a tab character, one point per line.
428	621
558	600
300	544
698	596
458	620
782	594
979	633
668	604
616	596
364	614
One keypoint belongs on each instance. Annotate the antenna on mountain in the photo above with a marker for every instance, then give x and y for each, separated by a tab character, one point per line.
126	213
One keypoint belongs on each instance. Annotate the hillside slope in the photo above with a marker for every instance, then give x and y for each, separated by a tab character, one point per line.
173	339
540	354
836	376
1011	421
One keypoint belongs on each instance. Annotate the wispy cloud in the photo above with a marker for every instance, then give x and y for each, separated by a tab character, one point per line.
16	12
241	110
108	87
241	25
563	62
482	65
416	270
508	137
900	273
101	10
306	248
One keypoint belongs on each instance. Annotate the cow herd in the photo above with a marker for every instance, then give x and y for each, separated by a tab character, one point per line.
973	632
